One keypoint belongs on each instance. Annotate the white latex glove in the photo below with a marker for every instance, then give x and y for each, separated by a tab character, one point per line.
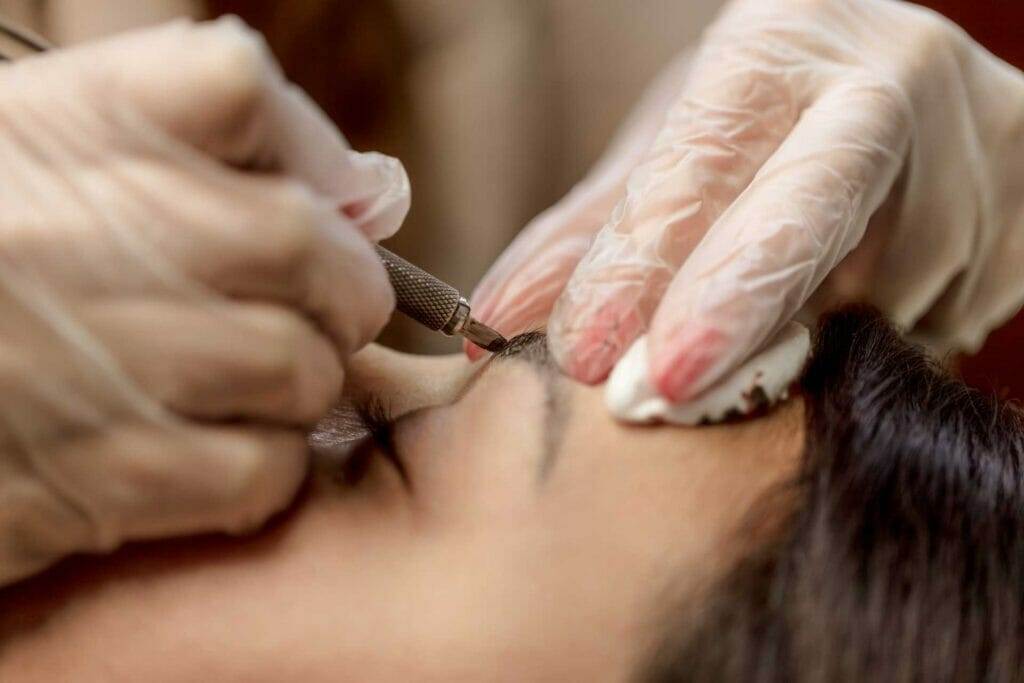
802	129
178	287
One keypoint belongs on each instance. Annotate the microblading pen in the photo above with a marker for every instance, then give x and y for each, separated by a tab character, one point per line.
435	304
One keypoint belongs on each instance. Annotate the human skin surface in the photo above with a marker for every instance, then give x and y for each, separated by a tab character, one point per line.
520	546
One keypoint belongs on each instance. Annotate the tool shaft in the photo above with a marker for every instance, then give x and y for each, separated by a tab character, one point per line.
420	295
435	304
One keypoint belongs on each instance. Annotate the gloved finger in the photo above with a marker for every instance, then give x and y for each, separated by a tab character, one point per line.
729	119
242	235
805	210
250	115
370	188
522	286
156	480
245	235
222	361
271	239
520	289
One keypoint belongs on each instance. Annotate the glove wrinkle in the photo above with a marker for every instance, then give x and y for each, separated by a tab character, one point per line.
813	152
178	287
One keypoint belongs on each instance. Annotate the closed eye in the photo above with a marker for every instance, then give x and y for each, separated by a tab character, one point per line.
380	425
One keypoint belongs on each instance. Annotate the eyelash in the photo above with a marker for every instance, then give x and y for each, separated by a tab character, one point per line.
380	424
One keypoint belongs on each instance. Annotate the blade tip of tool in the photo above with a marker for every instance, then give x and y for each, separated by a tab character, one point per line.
483	336
497	345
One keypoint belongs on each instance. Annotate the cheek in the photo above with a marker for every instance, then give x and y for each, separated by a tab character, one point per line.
507	602
315	589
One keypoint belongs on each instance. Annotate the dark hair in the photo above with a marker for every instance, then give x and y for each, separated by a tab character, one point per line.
902	557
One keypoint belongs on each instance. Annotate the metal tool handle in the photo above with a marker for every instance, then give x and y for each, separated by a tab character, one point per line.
420	295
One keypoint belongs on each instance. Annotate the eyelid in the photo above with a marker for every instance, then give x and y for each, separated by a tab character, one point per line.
379	420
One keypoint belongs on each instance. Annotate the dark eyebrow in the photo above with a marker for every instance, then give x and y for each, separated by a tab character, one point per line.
532	347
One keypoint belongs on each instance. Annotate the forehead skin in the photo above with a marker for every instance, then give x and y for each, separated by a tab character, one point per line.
486	572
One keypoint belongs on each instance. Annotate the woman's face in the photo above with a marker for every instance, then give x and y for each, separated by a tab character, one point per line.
527	536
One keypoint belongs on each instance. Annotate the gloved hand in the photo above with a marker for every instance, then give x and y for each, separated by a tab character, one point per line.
813	152
185	261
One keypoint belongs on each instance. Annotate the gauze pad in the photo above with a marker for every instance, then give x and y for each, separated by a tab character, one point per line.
761	381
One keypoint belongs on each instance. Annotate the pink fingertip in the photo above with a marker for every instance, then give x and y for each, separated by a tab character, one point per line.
594	348
472	351
675	374
355	209
591	362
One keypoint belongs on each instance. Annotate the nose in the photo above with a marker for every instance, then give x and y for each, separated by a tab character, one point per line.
405	382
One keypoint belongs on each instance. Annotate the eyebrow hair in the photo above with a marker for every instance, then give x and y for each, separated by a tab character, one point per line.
532	344
532	347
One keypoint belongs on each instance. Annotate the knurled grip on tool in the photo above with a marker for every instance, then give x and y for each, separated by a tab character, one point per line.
418	294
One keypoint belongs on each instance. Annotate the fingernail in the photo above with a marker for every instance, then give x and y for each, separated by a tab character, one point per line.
595	346
591	361
355	209
676	374
382	195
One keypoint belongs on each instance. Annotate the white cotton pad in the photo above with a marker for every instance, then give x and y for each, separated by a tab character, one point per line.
762	380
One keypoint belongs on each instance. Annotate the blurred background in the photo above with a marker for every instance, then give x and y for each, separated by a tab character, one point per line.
496	107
